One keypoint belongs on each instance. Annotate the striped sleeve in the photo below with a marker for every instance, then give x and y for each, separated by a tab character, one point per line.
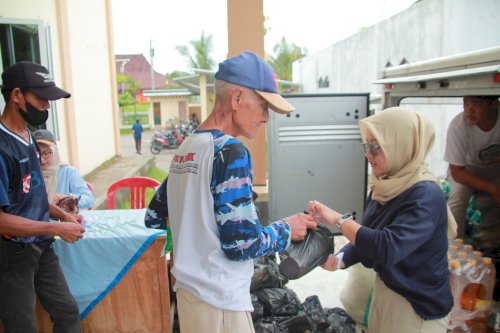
242	236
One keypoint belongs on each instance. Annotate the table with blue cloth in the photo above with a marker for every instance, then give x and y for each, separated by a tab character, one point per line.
117	274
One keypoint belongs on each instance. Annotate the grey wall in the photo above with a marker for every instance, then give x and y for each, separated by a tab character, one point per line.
427	29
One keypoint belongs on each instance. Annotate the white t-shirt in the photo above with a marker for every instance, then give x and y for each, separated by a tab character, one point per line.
468	145
202	268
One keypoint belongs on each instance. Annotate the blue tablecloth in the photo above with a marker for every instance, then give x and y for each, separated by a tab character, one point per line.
112	243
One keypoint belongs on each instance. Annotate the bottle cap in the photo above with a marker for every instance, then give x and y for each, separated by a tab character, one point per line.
472	262
477	254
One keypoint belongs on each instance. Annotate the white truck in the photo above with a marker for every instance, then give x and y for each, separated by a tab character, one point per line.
471	73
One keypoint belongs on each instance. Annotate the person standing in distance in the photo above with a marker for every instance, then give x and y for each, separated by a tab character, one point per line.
29	266
137	130
215	228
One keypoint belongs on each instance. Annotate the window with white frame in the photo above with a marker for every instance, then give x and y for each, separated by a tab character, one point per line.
24	39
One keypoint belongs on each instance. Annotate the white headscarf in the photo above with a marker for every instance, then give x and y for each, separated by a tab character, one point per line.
50	174
406	139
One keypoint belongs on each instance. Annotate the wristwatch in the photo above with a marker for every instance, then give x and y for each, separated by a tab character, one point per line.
344	218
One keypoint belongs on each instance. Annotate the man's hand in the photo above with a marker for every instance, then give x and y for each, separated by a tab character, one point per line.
299	223
58	214
74	218
69	232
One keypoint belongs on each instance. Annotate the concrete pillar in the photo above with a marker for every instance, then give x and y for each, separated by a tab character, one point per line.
245	21
203	97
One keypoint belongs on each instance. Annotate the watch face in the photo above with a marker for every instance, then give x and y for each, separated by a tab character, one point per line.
346	216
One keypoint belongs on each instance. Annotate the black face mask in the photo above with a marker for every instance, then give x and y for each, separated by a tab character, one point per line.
33	116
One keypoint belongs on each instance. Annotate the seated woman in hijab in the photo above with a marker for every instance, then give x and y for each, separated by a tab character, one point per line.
405	229
61	180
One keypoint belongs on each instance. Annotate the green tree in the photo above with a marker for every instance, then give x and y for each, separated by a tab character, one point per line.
127	88
198	52
284	55
176	74
171	84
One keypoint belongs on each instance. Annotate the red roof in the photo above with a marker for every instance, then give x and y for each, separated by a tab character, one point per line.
137	67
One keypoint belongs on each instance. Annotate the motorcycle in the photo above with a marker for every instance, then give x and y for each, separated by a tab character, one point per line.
165	140
185	129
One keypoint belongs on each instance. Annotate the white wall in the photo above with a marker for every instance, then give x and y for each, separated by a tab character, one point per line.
91	80
41	10
90	75
427	29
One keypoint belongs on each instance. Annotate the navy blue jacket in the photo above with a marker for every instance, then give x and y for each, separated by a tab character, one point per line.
405	242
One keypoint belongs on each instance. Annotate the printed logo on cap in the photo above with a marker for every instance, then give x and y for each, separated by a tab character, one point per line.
46	77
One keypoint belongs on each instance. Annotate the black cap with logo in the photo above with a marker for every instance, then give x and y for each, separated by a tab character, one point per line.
32	77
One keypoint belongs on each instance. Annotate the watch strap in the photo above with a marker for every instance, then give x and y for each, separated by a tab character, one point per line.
344	218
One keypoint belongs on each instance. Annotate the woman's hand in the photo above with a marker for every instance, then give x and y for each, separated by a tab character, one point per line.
324	213
332	263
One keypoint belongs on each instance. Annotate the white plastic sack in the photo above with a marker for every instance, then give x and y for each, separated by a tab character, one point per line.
356	294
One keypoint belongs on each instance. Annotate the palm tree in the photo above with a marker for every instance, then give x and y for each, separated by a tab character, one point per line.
285	55
202	48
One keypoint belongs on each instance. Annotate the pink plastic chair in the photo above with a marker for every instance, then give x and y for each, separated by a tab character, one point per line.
137	186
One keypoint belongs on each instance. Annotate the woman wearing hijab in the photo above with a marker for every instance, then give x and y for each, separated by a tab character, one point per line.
405	230
60	178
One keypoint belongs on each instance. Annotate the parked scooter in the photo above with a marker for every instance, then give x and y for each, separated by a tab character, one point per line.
165	140
185	129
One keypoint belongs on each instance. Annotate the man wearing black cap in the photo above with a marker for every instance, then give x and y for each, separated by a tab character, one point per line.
29	266
215	228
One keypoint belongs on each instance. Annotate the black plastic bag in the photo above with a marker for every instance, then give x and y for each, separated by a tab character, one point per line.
314	311
294	324
266	275
258	308
339	321
278	301
302	257
267	325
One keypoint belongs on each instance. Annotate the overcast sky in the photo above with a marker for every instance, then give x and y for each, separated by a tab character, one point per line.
314	24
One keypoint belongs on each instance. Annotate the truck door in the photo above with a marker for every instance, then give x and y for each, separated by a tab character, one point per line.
315	153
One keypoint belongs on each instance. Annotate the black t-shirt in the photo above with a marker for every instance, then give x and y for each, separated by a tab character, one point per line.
22	189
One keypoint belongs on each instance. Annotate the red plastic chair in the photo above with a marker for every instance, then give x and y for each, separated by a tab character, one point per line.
91	188
137	186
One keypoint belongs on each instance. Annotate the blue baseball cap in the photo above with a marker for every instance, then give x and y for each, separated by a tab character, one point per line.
251	71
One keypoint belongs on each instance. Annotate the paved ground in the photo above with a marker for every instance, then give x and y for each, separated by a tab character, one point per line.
126	165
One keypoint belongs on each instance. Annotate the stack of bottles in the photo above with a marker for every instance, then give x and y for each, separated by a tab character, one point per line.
472	283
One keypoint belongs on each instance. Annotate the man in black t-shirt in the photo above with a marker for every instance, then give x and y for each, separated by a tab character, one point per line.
29	266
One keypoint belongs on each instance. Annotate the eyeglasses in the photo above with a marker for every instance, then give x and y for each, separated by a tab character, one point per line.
370	147
47	153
